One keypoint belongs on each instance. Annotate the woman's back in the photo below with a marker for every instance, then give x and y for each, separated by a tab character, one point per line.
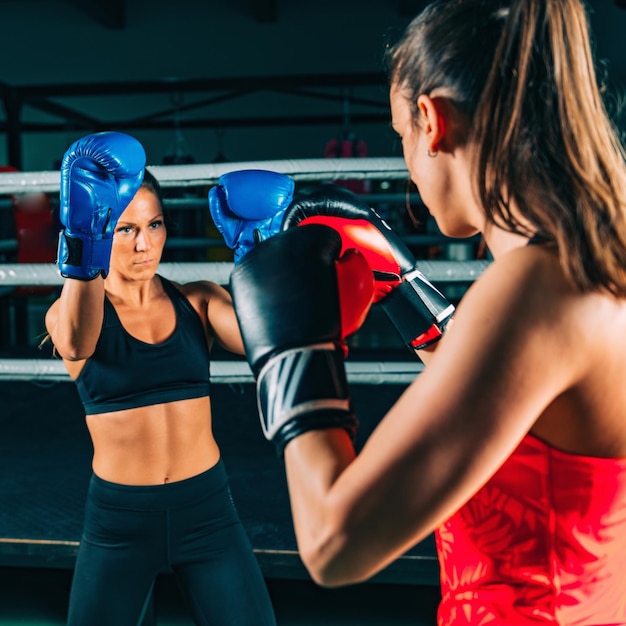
542	542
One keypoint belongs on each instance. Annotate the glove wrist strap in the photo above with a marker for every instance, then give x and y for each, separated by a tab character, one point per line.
304	389
418	310
83	256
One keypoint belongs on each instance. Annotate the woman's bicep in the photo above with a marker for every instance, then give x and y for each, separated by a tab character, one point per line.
484	388
223	320
74	320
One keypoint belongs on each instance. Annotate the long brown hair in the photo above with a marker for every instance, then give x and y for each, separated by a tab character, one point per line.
523	73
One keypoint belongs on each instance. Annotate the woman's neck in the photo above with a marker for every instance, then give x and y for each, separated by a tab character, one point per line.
500	241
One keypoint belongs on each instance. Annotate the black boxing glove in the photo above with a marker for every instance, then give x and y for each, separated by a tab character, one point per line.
419	312
297	297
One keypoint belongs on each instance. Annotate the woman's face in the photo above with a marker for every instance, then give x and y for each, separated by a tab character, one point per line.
442	179
139	237
414	145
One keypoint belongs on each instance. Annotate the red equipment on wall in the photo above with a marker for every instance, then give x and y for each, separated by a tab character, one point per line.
344	147
35	231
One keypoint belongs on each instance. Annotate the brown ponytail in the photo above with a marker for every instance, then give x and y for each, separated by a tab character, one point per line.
523	73
547	146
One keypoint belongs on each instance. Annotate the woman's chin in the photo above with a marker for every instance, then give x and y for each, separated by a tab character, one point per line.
456	231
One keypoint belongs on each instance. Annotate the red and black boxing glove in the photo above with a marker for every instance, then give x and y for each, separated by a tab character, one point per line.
419	312
297	297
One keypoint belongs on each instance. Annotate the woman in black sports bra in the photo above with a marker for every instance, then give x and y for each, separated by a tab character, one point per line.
138	348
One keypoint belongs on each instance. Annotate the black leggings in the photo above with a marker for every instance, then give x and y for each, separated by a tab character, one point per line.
190	527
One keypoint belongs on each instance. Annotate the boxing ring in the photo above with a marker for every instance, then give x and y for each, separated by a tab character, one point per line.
45	447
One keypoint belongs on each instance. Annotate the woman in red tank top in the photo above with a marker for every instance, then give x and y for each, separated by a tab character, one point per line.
511	444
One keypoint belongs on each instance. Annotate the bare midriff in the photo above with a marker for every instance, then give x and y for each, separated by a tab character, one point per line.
155	444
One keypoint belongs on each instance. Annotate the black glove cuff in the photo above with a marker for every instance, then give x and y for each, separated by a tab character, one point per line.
319	420
419	312
304	389
70	259
74	248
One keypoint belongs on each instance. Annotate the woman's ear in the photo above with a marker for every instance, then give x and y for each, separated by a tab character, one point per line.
433	121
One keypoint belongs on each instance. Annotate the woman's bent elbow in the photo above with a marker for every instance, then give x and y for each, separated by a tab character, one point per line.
74	352
331	570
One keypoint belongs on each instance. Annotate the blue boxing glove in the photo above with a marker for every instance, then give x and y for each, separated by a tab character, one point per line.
100	174
247	206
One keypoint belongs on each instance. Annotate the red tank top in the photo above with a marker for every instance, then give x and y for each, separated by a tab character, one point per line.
543	542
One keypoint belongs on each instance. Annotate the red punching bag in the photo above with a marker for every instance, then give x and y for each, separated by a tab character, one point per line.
344	147
35	231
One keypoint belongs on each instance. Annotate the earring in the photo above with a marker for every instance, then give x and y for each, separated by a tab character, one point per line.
432	154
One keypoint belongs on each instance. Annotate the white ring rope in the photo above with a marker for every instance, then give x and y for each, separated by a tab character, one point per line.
371	373
47	274
392	168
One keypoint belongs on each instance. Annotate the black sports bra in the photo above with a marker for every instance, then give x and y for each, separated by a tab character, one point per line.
125	373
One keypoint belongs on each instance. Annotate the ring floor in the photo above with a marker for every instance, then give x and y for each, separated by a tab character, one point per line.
38	597
45	456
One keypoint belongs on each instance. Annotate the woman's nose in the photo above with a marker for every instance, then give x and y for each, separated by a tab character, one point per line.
143	241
